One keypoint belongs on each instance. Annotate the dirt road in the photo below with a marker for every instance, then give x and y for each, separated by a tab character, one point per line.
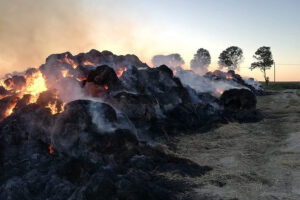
251	160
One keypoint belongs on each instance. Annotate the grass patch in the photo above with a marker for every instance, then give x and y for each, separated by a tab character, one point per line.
282	86
298	93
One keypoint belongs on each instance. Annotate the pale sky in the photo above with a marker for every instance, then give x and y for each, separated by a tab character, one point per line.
31	30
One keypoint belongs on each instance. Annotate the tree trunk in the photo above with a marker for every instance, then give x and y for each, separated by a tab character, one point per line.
266	78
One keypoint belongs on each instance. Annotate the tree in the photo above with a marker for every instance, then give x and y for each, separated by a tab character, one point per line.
231	58
201	61
264	60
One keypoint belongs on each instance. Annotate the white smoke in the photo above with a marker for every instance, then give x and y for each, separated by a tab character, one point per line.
201	61
173	60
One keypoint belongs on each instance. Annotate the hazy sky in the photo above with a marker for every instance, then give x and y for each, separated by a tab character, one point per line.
30	30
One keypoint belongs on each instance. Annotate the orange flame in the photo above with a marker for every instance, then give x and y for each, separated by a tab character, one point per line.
55	108
69	61
229	76
35	84
65	73
51	151
120	71
88	63
219	91
7	86
81	78
10	108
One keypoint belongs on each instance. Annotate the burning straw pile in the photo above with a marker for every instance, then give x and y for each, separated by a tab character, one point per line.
79	127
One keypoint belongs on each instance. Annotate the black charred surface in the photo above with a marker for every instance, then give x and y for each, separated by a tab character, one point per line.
87	163
3	91
15	82
240	104
108	58
238	99
104	75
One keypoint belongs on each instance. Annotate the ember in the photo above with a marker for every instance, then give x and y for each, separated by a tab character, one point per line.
65	73
11	107
51	151
219	91
120	71
55	108
68	60
88	63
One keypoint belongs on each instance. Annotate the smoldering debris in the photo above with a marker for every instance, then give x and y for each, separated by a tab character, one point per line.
82	122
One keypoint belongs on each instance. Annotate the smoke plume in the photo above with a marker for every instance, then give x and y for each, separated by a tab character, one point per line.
201	61
173	60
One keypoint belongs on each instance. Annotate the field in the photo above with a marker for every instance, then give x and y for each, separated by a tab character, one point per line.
251	160
281	85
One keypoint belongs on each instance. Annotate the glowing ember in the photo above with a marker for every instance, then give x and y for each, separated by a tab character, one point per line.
69	61
51	151
11	107
88	63
81	78
229	76
8	85
65	73
55	108
219	91
120	71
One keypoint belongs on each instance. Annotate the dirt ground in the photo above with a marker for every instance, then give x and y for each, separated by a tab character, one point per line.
251	160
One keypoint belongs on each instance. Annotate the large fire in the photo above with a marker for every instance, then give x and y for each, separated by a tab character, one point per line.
68	60
32	84
35	84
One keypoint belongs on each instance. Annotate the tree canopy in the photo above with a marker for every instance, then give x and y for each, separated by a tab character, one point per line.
264	60
231	58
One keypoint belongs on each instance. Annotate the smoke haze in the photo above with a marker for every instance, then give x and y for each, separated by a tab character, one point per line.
172	60
32	30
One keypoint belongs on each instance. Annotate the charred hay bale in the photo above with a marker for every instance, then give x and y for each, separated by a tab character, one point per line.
135	106
23	102
92	56
3	92
190	117
101	80
238	99
165	69
29	122
15	82
159	83
87	128
6	105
